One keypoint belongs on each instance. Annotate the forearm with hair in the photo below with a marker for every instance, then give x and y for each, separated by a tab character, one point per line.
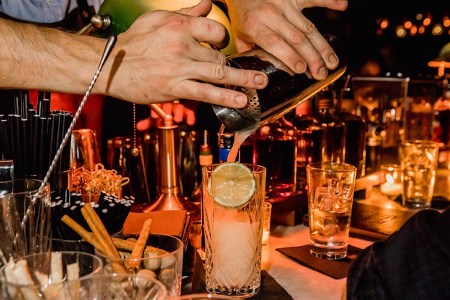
34	57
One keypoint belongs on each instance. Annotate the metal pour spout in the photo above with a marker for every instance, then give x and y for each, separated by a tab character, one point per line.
170	198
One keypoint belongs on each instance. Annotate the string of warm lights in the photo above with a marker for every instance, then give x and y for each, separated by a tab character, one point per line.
420	25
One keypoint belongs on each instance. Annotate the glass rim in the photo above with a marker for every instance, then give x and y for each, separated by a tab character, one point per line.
106	275
31	191
321	166
97	271
204	296
420	143
180	249
254	167
390	167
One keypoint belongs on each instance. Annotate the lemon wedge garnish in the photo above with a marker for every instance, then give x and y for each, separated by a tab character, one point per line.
232	184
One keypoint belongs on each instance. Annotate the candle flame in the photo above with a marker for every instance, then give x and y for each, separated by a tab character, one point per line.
389	178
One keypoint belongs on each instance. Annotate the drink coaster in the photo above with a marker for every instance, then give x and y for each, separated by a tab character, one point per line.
336	269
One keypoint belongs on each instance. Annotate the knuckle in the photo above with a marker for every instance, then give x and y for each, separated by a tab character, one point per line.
268	8
272	38
221	58
297	37
309	28
176	21
220	72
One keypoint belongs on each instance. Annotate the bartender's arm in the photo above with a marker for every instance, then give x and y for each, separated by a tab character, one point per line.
158	59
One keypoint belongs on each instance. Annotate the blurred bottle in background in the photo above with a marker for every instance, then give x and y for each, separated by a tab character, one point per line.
190	178
441	133
333	137
225	140
309	141
355	132
276	149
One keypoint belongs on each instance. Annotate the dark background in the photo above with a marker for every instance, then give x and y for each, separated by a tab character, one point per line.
358	25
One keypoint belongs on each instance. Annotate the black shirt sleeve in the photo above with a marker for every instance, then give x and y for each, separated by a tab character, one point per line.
414	263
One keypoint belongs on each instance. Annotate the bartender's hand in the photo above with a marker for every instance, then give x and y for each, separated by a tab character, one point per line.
181	112
160	59
280	28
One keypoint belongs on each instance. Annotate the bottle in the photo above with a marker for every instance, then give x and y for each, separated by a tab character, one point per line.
284	91
355	133
206	156
441	131
309	143
188	162
276	149
333	128
225	140
373	153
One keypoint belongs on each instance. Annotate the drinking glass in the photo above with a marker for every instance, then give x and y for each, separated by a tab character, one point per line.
20	238
119	286
165	262
267	214
330	198
233	236
205	297
46	275
419	160
6	176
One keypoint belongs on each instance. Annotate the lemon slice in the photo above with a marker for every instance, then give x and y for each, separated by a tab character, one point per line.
232	184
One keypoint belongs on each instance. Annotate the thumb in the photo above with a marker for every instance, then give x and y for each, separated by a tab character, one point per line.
201	9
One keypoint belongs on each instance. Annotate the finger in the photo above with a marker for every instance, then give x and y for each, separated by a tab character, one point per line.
201	9
277	45
241	45
201	53
209	31
314	49
223	74
216	95
332	4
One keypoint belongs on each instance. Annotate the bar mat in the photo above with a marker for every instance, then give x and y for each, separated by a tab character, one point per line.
270	289
336	269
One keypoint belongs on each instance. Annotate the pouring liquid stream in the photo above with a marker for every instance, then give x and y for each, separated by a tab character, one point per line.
239	138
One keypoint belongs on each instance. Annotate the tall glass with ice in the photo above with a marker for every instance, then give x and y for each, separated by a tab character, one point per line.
419	159
233	197
330	198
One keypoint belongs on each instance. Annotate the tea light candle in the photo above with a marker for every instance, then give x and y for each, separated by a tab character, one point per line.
392	187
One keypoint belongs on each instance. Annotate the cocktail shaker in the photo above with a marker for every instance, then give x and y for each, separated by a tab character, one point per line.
284	91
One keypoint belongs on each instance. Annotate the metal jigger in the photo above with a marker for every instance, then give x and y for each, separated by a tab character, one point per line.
170	198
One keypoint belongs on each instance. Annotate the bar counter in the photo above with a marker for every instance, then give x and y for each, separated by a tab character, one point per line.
302	282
